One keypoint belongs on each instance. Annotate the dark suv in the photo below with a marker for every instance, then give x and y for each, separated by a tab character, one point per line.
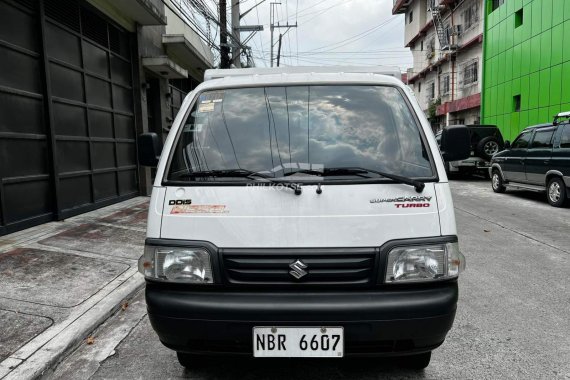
538	160
486	140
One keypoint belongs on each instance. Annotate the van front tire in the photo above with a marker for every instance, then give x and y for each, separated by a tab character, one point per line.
193	361
416	362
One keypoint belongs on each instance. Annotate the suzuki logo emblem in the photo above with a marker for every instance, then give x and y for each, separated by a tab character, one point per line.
298	269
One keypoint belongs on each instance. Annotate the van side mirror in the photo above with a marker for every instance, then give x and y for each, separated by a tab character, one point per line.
455	143
507	144
149	149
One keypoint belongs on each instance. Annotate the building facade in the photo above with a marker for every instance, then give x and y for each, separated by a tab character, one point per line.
525	63
445	38
79	81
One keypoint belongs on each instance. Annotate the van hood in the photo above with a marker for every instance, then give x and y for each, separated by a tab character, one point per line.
272	217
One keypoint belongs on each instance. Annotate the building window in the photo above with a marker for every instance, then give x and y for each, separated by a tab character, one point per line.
445	84
517	103
430	48
410	17
422	46
471	16
419	87
448	33
470	73
496	4
519	18
430	94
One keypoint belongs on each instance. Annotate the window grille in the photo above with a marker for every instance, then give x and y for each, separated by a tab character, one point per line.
470	73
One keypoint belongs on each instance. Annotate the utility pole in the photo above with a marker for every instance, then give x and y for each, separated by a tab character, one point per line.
273	26
236	32
224	47
279	50
237	45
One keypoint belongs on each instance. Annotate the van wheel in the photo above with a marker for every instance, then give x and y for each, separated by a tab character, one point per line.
417	362
556	192
190	361
497	182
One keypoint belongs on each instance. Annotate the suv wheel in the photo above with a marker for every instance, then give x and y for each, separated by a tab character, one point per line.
497	182
487	147
556	192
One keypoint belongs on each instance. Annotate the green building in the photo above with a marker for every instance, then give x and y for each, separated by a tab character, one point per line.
525	63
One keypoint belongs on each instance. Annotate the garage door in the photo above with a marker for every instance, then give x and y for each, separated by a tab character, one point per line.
66	121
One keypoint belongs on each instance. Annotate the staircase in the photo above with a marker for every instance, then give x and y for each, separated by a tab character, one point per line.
442	35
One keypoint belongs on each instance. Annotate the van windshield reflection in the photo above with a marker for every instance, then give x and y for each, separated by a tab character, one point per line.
301	132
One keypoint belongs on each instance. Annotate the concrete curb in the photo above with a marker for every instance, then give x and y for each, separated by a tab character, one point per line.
58	347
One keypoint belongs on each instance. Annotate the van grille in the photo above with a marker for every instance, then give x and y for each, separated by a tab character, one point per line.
355	267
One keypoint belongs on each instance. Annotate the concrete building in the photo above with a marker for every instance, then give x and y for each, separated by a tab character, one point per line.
79	81
526	63
445	37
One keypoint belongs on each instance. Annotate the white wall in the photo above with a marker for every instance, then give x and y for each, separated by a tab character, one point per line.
177	25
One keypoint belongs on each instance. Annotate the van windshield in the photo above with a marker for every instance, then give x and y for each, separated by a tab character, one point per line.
299	132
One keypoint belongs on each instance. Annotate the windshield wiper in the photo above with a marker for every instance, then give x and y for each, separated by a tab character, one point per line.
241	173
418	185
328	171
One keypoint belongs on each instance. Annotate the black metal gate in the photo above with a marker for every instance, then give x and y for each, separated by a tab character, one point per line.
67	129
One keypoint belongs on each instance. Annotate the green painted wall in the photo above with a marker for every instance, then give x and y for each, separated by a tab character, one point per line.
530	60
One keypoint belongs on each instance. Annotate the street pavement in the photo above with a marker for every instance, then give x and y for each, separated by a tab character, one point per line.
60	280
513	318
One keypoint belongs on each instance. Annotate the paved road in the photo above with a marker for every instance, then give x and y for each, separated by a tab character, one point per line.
513	320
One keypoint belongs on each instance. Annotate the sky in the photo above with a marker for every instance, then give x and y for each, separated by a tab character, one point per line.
330	32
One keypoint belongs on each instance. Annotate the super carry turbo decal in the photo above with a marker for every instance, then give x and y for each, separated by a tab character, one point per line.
406	202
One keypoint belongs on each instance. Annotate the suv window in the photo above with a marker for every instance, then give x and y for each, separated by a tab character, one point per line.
565	140
542	139
274	131
522	141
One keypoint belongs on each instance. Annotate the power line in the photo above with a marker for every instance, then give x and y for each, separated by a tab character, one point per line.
321	11
304	9
358	36
297	30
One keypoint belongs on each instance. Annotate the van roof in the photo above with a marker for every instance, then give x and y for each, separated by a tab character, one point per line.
299	79
224	73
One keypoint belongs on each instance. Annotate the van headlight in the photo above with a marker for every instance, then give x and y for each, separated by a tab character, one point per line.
424	263
177	264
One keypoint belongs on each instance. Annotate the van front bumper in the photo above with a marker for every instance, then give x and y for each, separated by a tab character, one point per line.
397	321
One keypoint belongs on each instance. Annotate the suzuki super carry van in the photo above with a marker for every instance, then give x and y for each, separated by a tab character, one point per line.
302	213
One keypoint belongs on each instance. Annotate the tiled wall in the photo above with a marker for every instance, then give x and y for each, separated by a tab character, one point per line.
530	60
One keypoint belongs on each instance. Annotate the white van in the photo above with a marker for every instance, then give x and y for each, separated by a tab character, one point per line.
302	213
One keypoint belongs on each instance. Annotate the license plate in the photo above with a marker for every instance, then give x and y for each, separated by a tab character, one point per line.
298	342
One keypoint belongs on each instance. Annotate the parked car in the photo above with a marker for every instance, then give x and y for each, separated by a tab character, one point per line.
486	140
537	160
302	214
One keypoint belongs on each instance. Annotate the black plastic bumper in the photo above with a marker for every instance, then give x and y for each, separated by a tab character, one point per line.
383	322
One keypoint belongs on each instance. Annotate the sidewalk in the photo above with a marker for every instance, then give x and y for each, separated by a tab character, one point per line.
60	280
